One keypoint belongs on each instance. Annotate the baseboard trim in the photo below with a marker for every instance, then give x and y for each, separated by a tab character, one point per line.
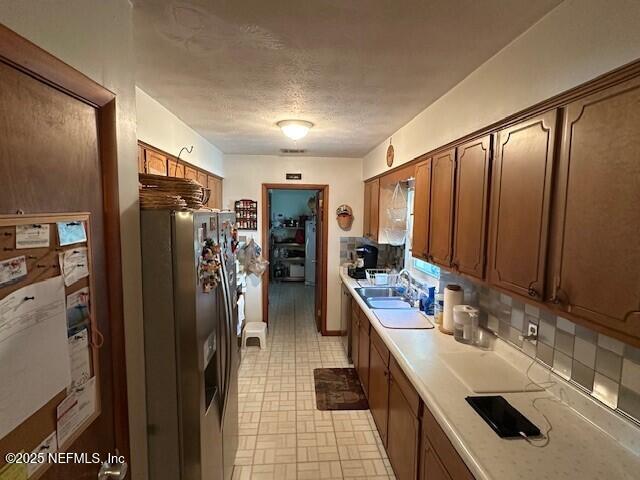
331	333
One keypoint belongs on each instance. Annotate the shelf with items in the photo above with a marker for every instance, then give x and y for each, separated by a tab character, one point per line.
246	214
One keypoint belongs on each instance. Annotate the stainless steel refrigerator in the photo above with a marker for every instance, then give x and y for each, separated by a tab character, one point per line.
310	252
191	348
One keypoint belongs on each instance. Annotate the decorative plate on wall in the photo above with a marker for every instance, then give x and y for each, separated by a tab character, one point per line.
390	155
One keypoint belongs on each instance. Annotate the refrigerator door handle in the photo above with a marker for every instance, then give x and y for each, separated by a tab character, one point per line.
227	328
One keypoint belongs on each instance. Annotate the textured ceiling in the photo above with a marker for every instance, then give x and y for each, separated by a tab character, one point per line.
358	69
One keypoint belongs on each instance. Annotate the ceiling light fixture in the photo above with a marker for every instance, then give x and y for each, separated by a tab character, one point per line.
295	129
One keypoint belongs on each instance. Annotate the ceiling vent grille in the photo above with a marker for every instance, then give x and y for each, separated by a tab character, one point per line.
292	151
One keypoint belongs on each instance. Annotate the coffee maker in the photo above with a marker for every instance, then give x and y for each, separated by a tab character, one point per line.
367	257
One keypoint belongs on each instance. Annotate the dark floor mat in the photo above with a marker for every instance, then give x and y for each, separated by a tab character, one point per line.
339	389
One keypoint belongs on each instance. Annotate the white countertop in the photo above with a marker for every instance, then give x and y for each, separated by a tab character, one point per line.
587	440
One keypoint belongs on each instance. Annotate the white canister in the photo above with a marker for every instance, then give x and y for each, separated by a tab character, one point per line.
465	323
453	295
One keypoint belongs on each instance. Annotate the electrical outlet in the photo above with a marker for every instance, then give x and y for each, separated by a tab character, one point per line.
532	330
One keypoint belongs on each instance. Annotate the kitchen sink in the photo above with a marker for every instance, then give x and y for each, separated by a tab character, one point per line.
370	292
388	302
383	297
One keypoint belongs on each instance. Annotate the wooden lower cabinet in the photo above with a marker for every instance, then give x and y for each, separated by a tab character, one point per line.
363	352
379	385
403	433
355	333
431	467
439	459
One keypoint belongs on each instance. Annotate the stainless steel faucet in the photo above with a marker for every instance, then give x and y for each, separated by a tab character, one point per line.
411	288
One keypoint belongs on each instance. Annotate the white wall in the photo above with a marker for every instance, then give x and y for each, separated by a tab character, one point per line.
575	42
162	129
96	37
245	175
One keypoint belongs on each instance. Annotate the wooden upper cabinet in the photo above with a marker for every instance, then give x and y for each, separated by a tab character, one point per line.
215	185
422	199
176	169
156	163
471	206
521	183
371	208
190	173
141	159
443	167
202	178
595	270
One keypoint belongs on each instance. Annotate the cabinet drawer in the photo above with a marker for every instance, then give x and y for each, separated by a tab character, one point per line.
403	383
435	436
380	346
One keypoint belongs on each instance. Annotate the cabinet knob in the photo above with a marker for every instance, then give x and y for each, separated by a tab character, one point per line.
533	292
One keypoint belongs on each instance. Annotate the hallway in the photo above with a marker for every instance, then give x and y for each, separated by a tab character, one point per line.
282	434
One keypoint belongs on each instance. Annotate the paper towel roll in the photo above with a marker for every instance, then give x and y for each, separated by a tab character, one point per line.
453	295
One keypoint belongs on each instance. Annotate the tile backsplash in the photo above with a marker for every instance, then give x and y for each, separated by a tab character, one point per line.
389	256
606	368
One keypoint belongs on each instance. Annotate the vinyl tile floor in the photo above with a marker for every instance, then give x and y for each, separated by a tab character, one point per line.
283	436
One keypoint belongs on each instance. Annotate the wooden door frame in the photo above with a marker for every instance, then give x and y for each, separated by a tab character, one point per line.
325	240
28	58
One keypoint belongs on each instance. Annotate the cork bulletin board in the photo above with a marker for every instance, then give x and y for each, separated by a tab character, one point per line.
37	251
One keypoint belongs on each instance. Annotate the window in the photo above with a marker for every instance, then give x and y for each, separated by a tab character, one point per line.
427	268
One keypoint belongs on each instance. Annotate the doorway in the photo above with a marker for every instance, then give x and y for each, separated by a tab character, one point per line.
58	154
294	236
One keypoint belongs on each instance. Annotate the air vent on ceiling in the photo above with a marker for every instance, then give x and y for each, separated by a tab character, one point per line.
292	151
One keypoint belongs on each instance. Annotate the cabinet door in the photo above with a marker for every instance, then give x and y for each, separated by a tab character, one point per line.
366	213
215	185
421	202
443	167
141	159
371	209
472	200
156	163
430	466
202	178
403	435
379	392
190	173
521	184
355	337
596	269
363	352
176	169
